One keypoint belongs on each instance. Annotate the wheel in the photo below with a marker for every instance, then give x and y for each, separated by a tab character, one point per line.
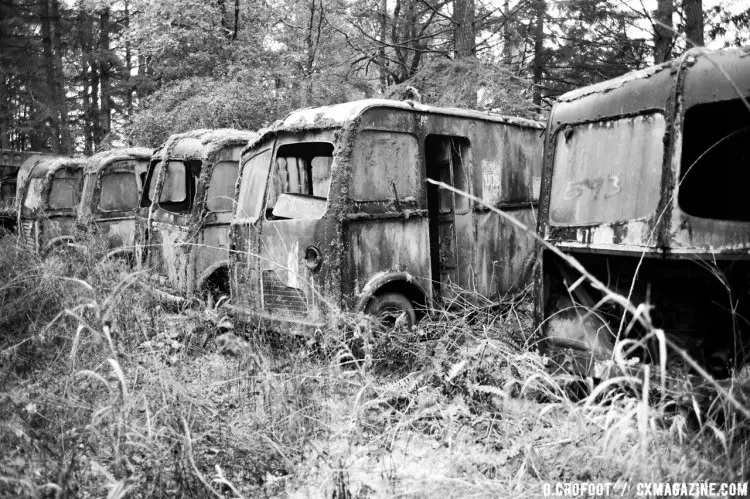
391	307
217	286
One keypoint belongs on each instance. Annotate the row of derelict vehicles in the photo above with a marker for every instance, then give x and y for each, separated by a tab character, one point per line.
355	207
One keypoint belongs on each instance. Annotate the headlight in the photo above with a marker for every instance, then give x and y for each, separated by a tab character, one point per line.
313	257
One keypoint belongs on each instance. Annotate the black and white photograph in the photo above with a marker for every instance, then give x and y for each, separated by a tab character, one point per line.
360	249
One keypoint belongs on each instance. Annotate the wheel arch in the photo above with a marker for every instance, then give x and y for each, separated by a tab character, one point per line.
397	282
213	269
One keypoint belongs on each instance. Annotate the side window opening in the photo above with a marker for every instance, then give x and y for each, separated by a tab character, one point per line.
180	182
300	181
447	162
220	197
715	165
65	189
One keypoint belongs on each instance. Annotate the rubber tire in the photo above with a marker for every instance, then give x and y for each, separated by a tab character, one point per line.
393	304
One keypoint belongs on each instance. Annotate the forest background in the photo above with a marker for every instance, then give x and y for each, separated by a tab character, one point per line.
78	76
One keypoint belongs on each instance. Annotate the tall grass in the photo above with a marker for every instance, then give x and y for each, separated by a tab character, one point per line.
106	392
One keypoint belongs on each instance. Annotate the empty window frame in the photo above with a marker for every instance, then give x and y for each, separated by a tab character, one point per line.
253	185
715	164
178	189
300	181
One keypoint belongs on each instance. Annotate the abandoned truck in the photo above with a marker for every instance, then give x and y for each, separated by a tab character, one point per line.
334	211
112	185
47	194
645	184
10	164
182	224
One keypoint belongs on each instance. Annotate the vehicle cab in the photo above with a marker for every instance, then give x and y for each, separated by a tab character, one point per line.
112	185
48	193
644	183
182	224
335	211
10	164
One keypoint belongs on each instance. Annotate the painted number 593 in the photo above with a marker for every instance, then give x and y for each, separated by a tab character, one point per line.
573	190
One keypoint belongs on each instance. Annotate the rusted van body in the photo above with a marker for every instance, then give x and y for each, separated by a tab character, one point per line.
112	185
645	183
10	164
47	196
182	224
334	211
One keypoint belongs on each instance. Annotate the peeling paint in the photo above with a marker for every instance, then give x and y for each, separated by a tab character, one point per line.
375	231
653	207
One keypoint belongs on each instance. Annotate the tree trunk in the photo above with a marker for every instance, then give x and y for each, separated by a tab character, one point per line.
693	21
507	42
66	141
540	9
104	71
5	111
84	31
128	65
382	61
236	26
464	38
663	30
52	120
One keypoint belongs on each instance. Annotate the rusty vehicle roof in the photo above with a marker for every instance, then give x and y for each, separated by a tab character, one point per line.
199	144
651	88
99	160
339	115
40	166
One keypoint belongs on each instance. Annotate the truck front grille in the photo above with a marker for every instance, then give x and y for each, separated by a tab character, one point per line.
278	297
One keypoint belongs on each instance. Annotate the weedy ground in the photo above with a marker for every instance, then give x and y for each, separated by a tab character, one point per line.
104	391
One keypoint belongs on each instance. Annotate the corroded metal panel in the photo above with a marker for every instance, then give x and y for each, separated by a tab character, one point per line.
504	253
392	244
608	171
284	273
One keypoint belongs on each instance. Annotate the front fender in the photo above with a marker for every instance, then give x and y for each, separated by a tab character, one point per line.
62	241
381	279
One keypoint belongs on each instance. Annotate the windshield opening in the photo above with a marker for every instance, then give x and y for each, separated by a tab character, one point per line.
300	181
715	164
220	197
150	179
607	171
65	189
253	185
119	192
7	193
33	199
